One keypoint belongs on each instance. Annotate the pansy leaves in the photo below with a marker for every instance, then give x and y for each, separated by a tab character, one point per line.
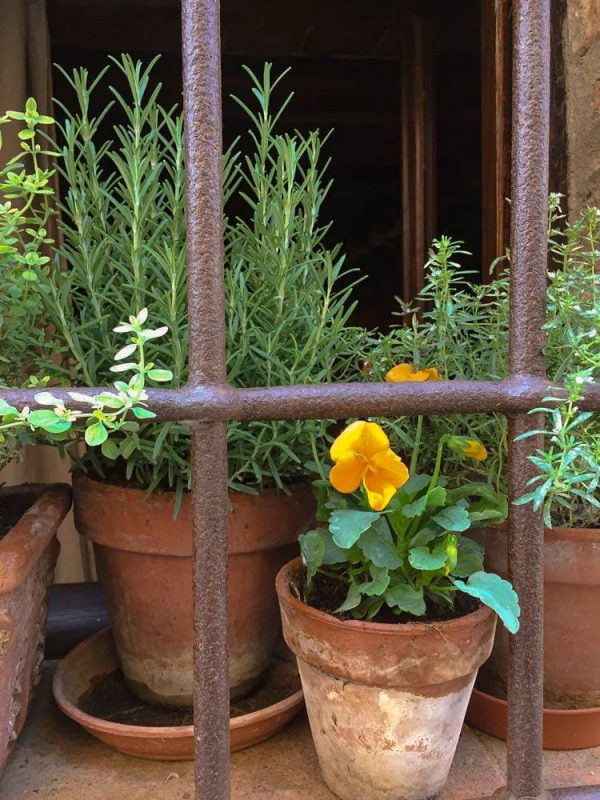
496	593
470	558
425	559
353	598
403	597
377	545
312	547
380	579
347	525
453	518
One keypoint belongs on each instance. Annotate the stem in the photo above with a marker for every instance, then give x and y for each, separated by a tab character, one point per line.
415	452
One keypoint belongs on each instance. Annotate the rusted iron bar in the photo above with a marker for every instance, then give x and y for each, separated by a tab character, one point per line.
206	315
336	401
529	249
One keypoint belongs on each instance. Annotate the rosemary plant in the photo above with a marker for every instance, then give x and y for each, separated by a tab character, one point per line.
123	229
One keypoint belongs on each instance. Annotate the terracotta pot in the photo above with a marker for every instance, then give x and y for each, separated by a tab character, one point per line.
27	557
385	702
571	630
144	560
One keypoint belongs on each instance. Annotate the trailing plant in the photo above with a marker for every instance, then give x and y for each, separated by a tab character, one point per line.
393	545
111	423
25	207
123	225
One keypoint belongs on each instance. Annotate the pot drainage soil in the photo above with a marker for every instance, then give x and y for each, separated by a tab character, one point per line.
90	689
111	699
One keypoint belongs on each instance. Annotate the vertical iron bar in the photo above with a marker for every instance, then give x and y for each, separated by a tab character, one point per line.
531	123
206	312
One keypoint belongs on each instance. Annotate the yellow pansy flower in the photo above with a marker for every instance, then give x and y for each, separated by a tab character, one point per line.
406	372
362	454
468	447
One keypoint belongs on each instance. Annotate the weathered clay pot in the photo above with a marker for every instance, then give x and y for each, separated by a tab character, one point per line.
144	560
571	629
27	557
385	702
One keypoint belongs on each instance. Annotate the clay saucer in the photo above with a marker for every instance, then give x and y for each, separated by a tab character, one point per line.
564	729
96	658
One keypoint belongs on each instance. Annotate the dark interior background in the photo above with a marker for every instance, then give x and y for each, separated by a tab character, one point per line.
346	59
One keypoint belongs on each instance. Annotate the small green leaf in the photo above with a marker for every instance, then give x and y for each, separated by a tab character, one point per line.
143	413
425	535
436	497
96	434
110	450
424	558
414	509
352	599
405	598
414	485
346	526
377	545
470	558
5	408
160	375
48	421
496	593
454	518
313	548
380	579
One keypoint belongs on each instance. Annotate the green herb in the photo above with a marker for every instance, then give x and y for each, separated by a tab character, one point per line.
123	226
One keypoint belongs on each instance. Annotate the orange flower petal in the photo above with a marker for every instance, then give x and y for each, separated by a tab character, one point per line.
432	374
406	372
399	373
391	467
364	438
348	472
379	491
385	475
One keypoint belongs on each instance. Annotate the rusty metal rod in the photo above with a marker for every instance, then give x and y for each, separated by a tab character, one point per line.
335	401
206	315
529	249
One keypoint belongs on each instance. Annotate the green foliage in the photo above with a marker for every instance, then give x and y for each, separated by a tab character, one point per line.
568	482
123	225
110	414
461	328
25	208
411	554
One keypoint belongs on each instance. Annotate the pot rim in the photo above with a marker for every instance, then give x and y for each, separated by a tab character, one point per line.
408	629
576	534
82	478
27	540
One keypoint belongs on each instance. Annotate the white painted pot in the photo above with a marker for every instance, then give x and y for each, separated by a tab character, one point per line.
386	703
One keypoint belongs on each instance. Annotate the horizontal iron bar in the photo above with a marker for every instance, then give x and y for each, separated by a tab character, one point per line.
335	401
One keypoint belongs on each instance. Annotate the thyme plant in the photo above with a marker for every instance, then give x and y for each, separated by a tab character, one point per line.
25	208
123	229
111	423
